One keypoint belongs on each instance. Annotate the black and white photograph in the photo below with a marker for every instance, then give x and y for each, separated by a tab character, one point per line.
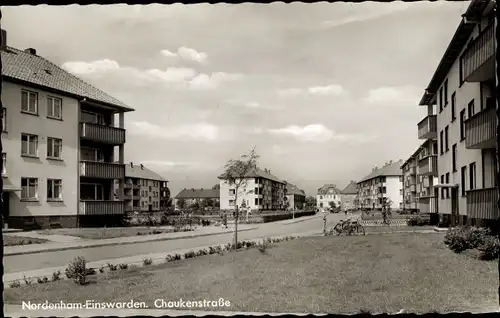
249	158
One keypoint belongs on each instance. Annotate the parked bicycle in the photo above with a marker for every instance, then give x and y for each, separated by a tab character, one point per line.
348	227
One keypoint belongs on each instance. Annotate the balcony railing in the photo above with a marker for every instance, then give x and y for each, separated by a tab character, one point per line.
482	204
102	170
101	133
427	205
427	165
480	130
102	207
478	60
427	128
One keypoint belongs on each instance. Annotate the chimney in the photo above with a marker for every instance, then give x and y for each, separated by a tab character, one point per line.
131	164
142	167
4	40
30	50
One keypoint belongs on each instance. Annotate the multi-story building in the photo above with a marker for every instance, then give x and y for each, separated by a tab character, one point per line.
463	91
295	197
409	183
143	191
59	140
165	200
262	191
192	196
382	186
328	193
349	196
427	172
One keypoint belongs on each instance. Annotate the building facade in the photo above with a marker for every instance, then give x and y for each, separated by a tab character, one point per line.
409	184
382	186
463	92
59	140
201	197
143	189
328	193
262	191
349	196
295	197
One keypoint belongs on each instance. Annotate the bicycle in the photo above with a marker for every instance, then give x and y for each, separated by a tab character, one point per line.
349	227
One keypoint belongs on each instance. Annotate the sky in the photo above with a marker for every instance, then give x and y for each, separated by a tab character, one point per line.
324	92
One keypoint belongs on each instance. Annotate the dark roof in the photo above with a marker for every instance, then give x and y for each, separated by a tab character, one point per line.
293	189
256	172
459	40
35	70
324	189
141	173
351	188
198	194
392	169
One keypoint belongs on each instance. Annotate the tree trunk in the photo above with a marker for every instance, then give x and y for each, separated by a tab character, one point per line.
236	228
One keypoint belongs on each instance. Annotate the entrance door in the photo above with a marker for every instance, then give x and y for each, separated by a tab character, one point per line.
454	206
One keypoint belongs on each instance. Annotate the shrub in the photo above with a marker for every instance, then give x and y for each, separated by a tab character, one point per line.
157	232
56	276
147	261
15	284
490	248
169	258
27	281
101	269
77	270
112	267
457	239
477	236
123	266
189	254
90	271
417	220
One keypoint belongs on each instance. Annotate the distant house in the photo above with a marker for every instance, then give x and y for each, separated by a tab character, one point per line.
349	196
295	197
382	186
191	196
326	194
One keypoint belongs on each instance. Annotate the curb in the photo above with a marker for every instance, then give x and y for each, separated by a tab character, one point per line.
58	249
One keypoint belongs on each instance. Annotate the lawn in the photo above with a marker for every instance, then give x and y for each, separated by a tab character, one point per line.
383	273
107	233
11	240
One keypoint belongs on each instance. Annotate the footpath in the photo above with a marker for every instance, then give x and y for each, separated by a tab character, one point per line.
86	243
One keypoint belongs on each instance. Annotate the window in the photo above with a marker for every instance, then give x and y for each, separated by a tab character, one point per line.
91	154
29	102
472	176
441	99
454	157
453	102
54	189
447	180
232	191
446	145
445	93
149	188
462	125
54	147
256	201
91	191
470	108
441	142
94	118
54	107
29	145
150	199
231	202
29	188
4	119
463	179
4	167
442	189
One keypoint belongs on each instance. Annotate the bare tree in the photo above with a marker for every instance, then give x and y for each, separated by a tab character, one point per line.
235	175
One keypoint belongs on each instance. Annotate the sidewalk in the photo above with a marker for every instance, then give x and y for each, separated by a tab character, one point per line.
82	243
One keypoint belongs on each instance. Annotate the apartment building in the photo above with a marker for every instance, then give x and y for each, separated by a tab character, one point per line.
409	183
143	189
382	186
462	90
192	196
263	191
295	197
349	196
328	193
59	138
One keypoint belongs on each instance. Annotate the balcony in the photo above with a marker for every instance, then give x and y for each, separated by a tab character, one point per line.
102	207
427	166
427	128
478	60
101	133
102	170
480	130
427	205
412	188
482	203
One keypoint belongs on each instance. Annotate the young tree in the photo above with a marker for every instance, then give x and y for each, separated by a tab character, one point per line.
181	203
235	175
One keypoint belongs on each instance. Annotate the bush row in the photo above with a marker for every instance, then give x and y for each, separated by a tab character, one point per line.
78	271
279	217
464	238
418	220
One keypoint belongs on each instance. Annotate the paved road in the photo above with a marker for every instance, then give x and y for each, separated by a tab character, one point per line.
20	263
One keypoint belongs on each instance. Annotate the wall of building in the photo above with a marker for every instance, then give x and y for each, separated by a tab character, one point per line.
348	200
393	191
246	193
42	168
150	195
323	200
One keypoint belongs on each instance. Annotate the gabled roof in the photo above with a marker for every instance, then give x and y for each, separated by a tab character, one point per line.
392	169
351	188
257	172
141	172
324	189
198	194
34	70
292	189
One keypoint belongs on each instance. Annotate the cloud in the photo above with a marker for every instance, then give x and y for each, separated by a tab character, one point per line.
403	94
313	90
199	131
316	133
171	165
187	54
178	77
